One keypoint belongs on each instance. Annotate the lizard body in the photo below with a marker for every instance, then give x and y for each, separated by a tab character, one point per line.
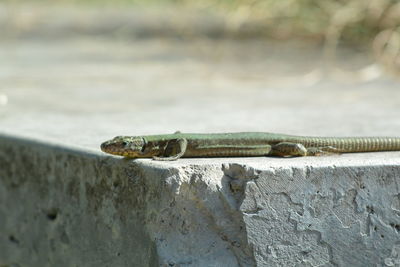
174	146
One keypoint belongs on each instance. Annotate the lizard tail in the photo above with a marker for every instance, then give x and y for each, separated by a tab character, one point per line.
354	144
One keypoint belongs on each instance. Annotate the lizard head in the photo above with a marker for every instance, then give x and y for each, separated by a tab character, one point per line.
127	146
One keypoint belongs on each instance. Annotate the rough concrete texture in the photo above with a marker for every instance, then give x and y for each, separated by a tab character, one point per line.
64	203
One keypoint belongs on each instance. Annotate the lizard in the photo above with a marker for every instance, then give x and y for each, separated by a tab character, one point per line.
244	144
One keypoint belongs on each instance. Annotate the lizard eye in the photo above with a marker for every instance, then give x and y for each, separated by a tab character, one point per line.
124	143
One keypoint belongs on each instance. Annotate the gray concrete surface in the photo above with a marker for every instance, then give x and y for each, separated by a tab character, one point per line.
64	203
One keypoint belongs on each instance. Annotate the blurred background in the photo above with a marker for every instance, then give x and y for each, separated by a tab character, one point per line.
372	25
137	66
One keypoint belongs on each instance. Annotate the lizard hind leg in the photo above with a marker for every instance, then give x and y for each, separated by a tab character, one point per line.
288	149
174	150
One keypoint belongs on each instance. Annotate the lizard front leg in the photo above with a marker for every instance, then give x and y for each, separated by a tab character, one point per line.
179	145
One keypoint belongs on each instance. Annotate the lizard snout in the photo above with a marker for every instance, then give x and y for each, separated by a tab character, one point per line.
104	146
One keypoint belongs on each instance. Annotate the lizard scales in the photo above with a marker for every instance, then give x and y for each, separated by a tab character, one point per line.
174	146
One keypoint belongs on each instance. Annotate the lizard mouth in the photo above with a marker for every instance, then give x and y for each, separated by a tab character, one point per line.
112	147
125	146
109	148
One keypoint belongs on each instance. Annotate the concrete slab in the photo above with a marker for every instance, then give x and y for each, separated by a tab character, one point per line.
64	203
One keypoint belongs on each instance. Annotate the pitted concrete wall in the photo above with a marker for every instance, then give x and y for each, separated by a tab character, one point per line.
62	207
323	216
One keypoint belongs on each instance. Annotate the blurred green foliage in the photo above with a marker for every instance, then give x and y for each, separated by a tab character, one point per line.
356	20
365	23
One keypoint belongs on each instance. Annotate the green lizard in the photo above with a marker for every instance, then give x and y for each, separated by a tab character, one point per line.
177	145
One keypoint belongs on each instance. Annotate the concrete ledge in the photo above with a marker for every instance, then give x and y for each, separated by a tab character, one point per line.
62	207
